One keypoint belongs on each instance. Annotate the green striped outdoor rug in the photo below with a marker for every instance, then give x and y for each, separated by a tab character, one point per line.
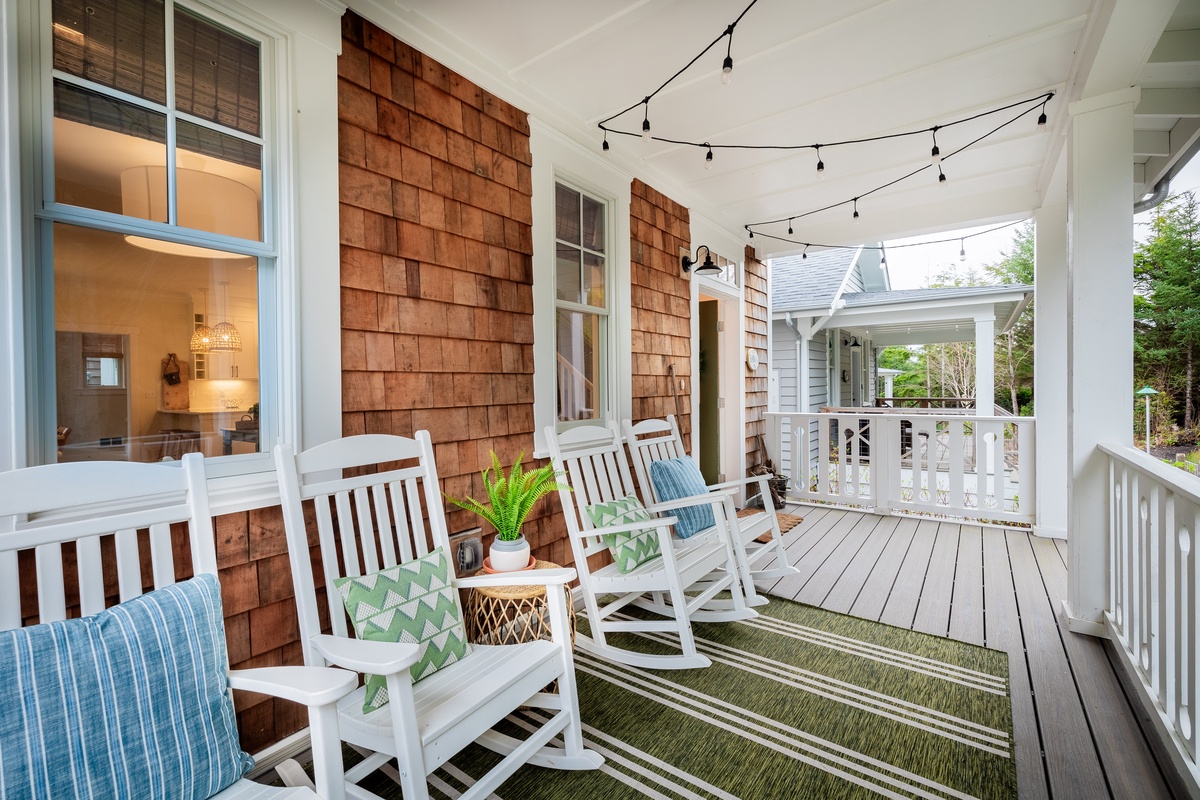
798	703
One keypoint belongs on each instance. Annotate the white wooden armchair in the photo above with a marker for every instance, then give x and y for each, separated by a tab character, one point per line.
659	439
142	707
368	493
679	585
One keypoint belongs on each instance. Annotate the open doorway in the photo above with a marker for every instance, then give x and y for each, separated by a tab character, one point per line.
709	419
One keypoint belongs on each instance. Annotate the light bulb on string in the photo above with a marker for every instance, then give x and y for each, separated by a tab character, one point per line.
941	176
604	144
790	231
856	218
820	164
962	252
935	154
1042	120
708	156
727	64
646	120
804	253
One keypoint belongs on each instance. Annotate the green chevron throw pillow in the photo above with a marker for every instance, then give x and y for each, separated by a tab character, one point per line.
413	602
628	549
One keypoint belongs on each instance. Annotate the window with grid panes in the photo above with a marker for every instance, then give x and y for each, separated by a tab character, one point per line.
581	304
152	222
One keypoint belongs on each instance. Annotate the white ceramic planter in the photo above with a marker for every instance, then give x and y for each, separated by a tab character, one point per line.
509	556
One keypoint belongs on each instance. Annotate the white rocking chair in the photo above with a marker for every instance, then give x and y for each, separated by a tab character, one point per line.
368	493
659	439
63	523
680	586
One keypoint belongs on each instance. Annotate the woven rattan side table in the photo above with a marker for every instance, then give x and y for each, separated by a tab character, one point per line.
512	614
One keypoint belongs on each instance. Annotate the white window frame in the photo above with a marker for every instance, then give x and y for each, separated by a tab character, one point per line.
301	40
557	159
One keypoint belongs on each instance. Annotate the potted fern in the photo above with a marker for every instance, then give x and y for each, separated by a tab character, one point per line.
510	499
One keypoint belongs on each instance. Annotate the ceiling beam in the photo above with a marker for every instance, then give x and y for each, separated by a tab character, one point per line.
1151	143
880	339
1168	103
1184	137
1177	47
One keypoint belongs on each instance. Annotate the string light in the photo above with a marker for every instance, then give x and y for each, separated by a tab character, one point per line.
604	146
820	163
1042	117
708	159
962	250
804	254
790	231
856	219
727	64
646	120
1031	104
823	246
935	154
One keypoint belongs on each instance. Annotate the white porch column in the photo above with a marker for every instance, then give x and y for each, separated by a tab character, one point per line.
1050	369
803	390
985	364
1099	333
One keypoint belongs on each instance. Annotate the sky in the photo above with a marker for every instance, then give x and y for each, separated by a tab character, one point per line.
910	267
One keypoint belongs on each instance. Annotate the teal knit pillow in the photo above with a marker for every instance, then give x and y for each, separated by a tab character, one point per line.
680	477
628	549
413	602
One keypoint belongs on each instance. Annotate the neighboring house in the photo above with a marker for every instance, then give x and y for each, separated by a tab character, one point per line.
832	313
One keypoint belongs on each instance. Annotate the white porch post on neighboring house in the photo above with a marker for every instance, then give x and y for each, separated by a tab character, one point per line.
1099	334
1050	368
803	390
985	364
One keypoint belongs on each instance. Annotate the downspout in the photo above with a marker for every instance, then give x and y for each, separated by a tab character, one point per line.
1162	190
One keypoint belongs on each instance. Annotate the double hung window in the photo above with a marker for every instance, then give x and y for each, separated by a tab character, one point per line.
152	236
581	304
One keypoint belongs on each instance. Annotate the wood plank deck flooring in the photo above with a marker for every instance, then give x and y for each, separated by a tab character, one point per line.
1077	736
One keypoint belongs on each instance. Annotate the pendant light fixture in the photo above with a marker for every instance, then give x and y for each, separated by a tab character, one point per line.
225	337
202	338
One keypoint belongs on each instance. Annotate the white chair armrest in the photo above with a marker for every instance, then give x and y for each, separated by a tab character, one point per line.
526	577
378	658
695	500
310	686
656	522
740	482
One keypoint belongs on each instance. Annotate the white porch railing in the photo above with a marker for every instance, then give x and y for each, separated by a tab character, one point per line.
968	467
1154	513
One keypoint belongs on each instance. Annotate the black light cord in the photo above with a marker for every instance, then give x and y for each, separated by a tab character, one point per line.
646	101
1038	102
880	247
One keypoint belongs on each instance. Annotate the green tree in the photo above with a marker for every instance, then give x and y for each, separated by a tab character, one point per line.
1014	358
1167	304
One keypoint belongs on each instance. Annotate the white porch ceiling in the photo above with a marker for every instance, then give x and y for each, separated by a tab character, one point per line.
808	71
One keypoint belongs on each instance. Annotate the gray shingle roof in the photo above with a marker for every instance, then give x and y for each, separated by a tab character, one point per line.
808	282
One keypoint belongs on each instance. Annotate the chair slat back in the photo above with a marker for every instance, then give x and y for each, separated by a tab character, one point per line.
58	523
596	472
649	441
377	503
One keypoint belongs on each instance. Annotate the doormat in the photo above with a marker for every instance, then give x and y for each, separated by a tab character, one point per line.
786	521
798	702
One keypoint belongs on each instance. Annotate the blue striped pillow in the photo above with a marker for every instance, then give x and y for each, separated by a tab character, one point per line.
131	702
680	477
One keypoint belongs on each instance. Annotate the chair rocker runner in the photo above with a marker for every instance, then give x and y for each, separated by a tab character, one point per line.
659	439
144	707
680	585
368	493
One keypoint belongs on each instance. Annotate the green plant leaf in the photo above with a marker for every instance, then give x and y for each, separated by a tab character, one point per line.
510	498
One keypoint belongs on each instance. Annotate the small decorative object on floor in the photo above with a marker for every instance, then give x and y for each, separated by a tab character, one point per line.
510	500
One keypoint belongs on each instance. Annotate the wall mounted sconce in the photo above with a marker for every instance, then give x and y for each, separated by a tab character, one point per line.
852	342
709	267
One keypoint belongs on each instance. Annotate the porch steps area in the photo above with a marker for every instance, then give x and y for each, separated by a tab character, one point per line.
1077	734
